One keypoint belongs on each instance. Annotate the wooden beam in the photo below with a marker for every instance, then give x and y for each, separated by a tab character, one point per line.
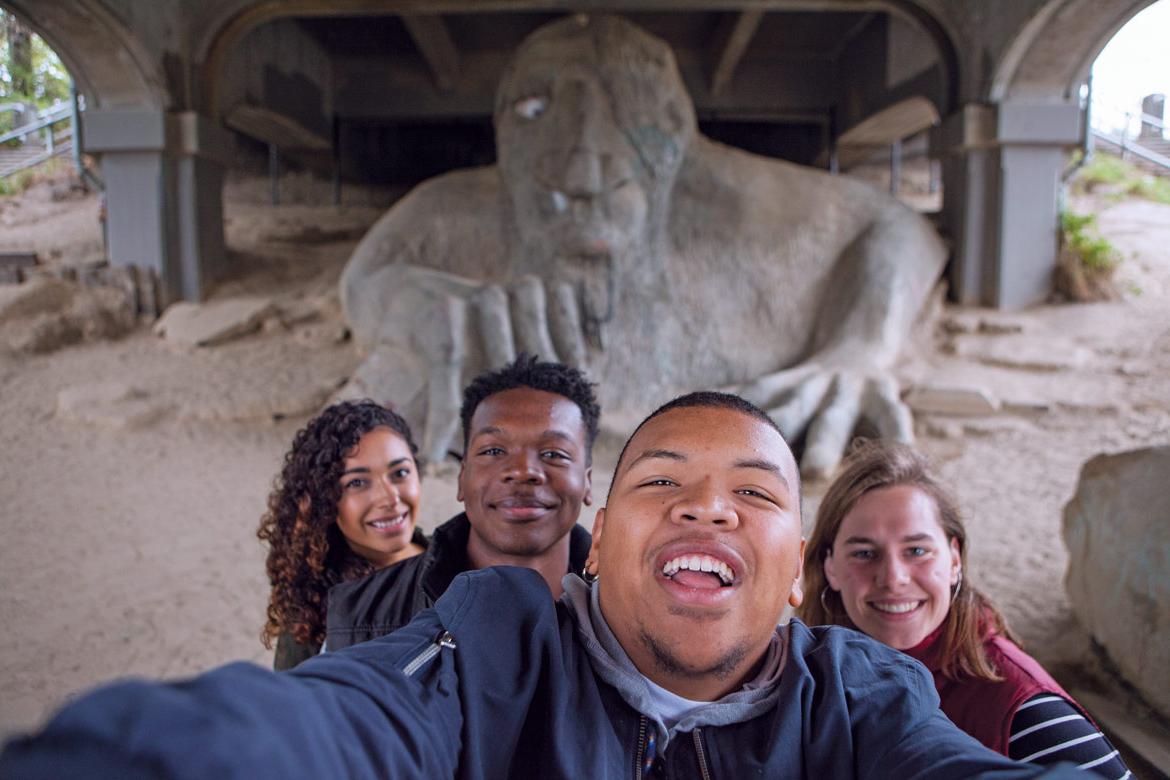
850	34
274	128
731	41
434	43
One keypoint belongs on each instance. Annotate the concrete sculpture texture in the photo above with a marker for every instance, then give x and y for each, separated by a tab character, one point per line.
1118	579
611	234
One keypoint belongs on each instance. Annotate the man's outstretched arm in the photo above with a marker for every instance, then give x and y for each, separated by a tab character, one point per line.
390	710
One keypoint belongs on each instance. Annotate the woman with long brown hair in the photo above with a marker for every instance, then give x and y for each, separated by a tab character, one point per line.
888	557
345	504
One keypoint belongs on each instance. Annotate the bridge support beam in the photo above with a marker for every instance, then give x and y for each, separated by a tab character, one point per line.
163	173
1002	170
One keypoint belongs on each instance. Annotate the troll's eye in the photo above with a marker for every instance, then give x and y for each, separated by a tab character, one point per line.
531	107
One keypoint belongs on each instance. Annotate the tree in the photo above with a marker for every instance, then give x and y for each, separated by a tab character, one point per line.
30	71
20	62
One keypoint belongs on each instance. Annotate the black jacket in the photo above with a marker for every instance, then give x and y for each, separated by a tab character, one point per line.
494	682
290	652
385	601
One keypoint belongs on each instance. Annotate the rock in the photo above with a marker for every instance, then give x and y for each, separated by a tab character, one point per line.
999	327
954	401
255	402
208	324
37	296
1117	530
273	324
12	263
57	314
997	426
939	429
1075	406
298	311
103	313
110	405
1026	405
959	323
1134	369
40	333
322	334
1026	352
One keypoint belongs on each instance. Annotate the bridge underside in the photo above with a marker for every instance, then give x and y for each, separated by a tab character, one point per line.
377	91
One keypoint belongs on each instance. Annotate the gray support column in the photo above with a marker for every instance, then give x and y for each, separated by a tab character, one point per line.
964	142
199	161
1032	142
1001	188
163	175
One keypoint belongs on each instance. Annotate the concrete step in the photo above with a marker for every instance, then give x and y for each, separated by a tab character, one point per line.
15	159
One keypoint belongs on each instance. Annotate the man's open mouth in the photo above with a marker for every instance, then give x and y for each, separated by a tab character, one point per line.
699	571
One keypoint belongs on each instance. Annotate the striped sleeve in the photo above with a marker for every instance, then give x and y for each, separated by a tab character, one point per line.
1047	729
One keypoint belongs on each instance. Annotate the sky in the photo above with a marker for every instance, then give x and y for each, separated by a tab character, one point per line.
1134	64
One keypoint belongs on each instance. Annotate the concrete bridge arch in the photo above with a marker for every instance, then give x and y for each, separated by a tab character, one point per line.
109	64
1006	150
1052	55
160	166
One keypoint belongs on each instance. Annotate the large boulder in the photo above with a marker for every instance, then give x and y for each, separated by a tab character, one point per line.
1117	530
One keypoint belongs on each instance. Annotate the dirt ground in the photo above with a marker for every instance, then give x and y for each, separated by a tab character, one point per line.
129	530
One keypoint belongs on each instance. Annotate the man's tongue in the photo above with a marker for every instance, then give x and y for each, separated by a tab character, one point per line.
698	579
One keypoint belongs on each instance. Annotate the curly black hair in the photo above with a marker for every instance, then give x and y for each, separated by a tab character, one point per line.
307	552
527	371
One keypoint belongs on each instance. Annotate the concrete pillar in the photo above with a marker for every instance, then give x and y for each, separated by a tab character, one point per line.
164	180
1001	171
964	143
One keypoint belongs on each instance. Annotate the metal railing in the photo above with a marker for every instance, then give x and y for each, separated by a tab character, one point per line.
1151	148
44	125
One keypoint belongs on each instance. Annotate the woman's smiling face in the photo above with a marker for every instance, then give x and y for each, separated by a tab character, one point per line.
893	565
379	498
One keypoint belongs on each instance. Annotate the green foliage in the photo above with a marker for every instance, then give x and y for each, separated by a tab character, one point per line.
1121	177
1081	236
1087	260
16	184
19	182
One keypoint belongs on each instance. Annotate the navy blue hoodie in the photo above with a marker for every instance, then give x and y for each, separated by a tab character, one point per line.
493	683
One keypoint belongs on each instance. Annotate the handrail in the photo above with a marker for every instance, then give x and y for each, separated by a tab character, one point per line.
47	117
1132	146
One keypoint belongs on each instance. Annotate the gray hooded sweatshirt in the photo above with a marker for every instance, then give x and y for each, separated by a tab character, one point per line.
611	663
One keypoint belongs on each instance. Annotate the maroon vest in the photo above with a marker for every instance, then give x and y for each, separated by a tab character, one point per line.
982	708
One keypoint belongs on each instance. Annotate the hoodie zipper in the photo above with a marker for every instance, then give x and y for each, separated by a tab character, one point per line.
697	735
641	751
445	640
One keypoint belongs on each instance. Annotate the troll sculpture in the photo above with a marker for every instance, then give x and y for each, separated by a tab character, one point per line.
611	234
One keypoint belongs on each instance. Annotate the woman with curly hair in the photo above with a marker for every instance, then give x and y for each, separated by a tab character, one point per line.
888	557
344	505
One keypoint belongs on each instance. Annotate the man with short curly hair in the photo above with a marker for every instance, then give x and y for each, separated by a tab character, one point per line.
528	431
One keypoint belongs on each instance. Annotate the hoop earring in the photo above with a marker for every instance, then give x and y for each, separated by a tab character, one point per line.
958	586
587	575
824	604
